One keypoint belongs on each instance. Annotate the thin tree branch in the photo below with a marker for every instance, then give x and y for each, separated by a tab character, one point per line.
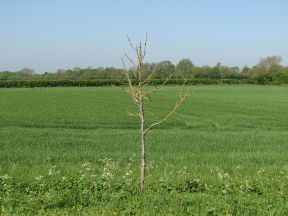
148	79
132	62
145	45
133	114
131	44
152	114
165	81
177	105
130	86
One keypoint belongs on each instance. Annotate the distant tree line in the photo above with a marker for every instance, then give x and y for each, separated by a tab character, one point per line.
268	71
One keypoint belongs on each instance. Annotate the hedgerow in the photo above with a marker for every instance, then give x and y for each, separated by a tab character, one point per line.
111	82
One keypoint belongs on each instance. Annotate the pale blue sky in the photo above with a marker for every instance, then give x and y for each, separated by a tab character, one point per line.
49	34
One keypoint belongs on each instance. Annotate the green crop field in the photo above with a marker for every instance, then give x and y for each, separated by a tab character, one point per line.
76	151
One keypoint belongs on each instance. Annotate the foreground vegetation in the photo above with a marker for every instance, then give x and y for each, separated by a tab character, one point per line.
115	191
71	151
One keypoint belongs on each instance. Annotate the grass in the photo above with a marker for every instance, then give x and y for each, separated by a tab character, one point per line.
238	130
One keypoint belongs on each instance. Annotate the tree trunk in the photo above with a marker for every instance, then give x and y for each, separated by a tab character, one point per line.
142	162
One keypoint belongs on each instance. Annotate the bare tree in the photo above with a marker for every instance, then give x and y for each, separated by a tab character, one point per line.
270	64
140	89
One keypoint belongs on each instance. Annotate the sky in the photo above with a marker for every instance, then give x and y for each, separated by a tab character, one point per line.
47	35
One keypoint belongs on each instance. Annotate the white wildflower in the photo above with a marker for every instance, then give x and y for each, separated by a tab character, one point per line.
4	177
50	172
39	178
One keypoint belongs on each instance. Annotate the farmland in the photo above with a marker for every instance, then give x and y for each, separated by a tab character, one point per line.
223	152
